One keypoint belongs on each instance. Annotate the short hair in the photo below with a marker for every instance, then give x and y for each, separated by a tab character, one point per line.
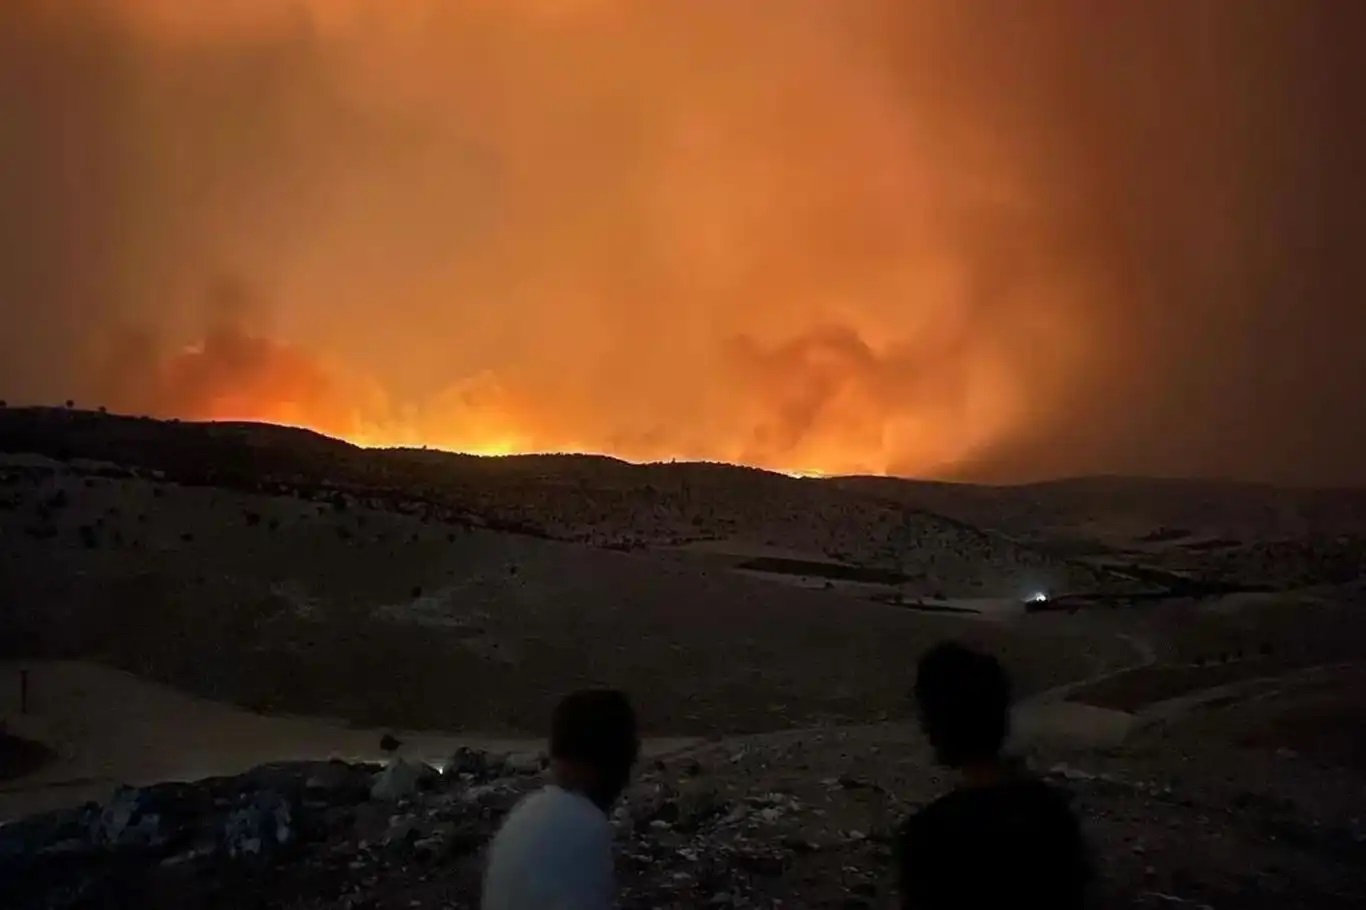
964	701
595	727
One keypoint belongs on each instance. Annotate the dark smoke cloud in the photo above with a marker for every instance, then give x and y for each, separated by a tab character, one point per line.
986	241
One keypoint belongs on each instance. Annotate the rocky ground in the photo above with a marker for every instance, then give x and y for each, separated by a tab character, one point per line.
802	819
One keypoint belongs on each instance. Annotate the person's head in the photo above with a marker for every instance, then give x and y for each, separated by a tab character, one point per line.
594	743
964	702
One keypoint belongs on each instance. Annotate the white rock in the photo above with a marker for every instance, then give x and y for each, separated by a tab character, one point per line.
400	779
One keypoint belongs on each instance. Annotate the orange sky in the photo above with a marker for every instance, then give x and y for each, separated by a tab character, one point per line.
859	236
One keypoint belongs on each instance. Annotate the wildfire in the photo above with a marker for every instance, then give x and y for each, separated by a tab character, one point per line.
701	231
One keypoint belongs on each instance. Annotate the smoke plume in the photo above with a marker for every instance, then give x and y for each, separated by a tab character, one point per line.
960	240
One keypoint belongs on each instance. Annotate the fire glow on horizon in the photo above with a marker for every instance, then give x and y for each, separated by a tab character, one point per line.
872	236
677	246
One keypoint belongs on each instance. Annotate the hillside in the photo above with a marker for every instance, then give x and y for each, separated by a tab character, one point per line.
288	572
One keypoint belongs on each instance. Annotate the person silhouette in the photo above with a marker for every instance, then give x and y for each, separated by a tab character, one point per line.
554	851
1000	838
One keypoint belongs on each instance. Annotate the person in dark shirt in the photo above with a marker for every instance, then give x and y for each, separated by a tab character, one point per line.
1000	838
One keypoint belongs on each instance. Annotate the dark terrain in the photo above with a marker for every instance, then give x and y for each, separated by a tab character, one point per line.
1194	677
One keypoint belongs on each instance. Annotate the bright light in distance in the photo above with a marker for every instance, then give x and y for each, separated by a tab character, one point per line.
1038	597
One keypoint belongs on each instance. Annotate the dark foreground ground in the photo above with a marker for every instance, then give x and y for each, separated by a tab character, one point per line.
782	820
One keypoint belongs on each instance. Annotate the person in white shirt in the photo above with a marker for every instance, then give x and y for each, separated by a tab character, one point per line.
554	850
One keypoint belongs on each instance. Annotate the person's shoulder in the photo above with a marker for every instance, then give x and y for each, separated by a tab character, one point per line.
1044	795
920	825
553	807
1028	793
554	846
943	806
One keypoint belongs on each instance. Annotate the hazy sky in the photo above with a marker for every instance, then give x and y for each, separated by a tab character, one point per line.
984	240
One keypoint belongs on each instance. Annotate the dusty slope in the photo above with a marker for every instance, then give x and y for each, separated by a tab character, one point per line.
1227	533
344	609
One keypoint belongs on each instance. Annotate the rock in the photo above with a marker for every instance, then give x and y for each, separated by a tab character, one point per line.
128	820
526	763
403	832
73	846
760	863
262	828
480	765
402	779
338	781
193	855
849	782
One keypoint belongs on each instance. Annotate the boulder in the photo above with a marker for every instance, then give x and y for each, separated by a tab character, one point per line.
401	779
337	781
478	764
129	820
526	763
261	828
